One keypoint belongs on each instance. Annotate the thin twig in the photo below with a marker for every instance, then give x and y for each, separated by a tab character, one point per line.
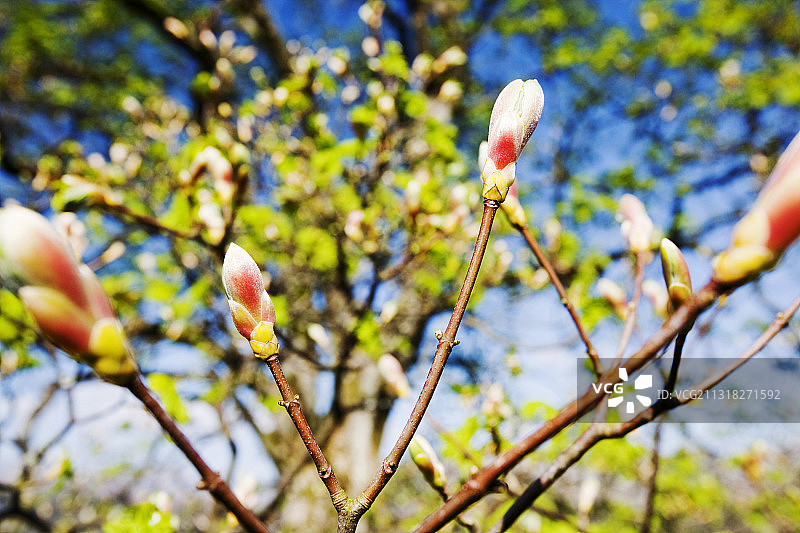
672	379
543	260
212	482
153	225
447	341
780	322
291	402
633	305
652	486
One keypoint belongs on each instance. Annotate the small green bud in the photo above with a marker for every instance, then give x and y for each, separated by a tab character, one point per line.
676	274
428	463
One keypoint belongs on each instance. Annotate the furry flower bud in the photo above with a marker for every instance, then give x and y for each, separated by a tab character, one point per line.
515	115
760	238
251	307
65	298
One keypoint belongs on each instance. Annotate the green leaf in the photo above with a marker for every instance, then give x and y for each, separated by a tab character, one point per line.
164	386
143	518
179	214
316	248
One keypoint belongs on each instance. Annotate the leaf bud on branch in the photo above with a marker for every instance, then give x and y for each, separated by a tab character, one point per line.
773	223
676	274
425	458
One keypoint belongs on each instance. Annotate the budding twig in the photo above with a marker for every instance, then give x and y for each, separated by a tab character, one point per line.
477	486
545	263
633	305
443	349
292	404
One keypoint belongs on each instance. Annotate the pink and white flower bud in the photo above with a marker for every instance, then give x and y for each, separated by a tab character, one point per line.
219	168
32	252
221	171
392	373
511	206
251	307
515	115
773	223
636	227
614	295
65	298
657	294
65	324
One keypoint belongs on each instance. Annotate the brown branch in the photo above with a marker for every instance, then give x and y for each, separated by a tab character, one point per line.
152	225
652	486
543	260
292	404
476	487
633	305
354	509
672	379
212	482
598	432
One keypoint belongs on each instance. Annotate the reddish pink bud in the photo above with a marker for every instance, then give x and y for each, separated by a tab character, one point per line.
99	305
242	280
636	227
66	299
68	326
32	252
780	199
773	223
515	115
249	302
